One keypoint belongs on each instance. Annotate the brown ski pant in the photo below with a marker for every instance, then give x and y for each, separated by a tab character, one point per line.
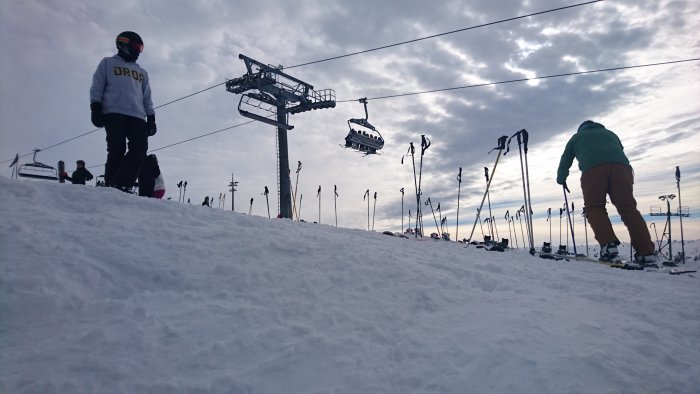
616	180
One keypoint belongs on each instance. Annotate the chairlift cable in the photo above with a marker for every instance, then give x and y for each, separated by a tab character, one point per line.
441	34
523	80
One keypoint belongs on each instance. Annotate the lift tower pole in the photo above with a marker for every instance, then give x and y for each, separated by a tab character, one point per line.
268	95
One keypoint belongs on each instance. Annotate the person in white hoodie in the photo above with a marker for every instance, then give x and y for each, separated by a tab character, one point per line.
120	101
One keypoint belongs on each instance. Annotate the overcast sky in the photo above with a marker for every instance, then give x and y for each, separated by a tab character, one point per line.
51	49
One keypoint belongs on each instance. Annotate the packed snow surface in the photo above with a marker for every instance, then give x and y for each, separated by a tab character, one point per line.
105	292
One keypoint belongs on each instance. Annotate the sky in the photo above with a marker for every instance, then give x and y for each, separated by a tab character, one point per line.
52	49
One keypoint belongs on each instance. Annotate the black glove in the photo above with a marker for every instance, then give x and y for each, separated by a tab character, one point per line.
96	115
151	125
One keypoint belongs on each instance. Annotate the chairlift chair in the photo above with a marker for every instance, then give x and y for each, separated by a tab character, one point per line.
366	138
37	170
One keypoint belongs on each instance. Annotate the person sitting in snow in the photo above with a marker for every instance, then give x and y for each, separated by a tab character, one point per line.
206	202
80	175
605	170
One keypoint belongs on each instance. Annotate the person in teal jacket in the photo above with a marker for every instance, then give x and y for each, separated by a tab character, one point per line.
605	170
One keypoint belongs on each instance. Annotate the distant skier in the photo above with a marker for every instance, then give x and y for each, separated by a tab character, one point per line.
80	175
120	99
605	170
150	171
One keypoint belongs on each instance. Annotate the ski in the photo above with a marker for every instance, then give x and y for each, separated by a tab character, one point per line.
680	272
621	264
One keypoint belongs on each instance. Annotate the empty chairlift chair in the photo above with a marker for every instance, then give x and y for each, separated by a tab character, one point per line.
365	138
37	170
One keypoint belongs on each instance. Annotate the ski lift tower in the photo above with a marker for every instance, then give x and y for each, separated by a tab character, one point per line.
269	95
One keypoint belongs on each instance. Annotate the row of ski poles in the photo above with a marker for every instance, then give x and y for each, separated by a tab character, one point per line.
526	210
296	209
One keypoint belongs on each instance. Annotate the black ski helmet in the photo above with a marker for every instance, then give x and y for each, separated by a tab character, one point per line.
129	45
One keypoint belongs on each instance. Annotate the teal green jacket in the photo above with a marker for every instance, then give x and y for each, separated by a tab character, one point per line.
592	145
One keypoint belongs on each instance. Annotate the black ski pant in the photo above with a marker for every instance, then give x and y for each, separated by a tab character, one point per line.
123	166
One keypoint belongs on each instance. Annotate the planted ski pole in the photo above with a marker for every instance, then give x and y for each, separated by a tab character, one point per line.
585	227
443	225
459	190
267	200
428	202
680	211
526	137
412	152
318	195
409	224
374	209
568	215
294	196
409	218
179	186
501	145
515	232
549	217
184	191
488	199
424	145
495	227
366	196
561	215
250	210
522	233
335	203
301	196
566	209
440	216
510	234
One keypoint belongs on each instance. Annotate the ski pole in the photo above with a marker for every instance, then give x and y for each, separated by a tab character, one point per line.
409	225
409	219
301	196
510	234
433	211
440	215
374	209
515	232
335	203
522	233
267	200
366	196
412	152
459	190
318	195
500	147
529	196
680	211
294	197
585	227
250	210
561	215
495	227
488	198
566	206
549	217
424	145
179	186
568	215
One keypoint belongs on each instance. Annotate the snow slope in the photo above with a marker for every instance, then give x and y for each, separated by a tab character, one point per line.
104	292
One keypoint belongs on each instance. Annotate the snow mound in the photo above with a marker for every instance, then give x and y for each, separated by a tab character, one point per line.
106	292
